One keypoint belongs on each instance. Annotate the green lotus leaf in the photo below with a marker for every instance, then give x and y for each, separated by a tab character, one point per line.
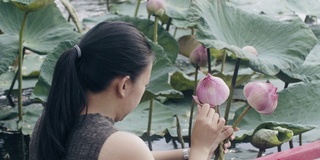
31	5
246	135
41	89
268	138
280	44
297	105
8	113
7	78
182	82
181	23
279	7
31	65
31	113
92	21
304	73
136	122
9	51
128	8
310	69
159	85
44	30
313	57
165	40
178	11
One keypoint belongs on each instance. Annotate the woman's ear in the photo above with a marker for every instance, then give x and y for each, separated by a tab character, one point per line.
123	86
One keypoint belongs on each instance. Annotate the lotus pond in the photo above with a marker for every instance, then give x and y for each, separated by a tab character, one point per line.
285	34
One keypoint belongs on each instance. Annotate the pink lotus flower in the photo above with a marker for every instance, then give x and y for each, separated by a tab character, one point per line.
261	96
250	49
211	90
156	7
199	57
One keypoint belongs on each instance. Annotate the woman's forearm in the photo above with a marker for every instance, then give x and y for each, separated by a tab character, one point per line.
198	154
177	154
168	155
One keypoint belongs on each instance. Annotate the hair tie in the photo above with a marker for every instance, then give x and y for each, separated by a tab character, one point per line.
78	50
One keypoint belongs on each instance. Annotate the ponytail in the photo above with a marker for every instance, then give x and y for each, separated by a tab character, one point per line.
66	100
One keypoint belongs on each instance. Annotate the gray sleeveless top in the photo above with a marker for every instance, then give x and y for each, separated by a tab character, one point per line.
85	140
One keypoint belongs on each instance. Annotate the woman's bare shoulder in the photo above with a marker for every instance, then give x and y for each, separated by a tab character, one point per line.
123	145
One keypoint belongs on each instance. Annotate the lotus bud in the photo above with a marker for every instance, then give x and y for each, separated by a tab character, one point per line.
250	49
267	138
33	6
261	96
211	90
199	57
156	7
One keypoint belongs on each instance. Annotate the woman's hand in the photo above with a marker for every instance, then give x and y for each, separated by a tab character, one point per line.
227	142
208	131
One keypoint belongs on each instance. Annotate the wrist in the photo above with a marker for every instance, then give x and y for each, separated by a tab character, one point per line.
197	153
185	153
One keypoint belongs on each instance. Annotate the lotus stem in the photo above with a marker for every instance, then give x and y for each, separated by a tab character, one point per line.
169	24
219	155
218	109
279	148
260	153
20	59
73	14
12	85
193	103
108	5
155	40
192	30
300	139
286	85
219	152
11	88
291	144
223	60
180	137
137	8
233	85
209	60
155	30
149	124
238	120
175	32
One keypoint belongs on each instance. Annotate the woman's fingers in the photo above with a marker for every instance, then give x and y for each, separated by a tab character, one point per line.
203	111
211	113
210	130
225	134
227	145
233	136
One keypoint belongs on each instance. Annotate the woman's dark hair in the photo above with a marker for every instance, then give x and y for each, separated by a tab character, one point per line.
108	50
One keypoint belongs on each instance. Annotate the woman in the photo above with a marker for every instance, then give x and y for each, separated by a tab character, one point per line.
99	82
